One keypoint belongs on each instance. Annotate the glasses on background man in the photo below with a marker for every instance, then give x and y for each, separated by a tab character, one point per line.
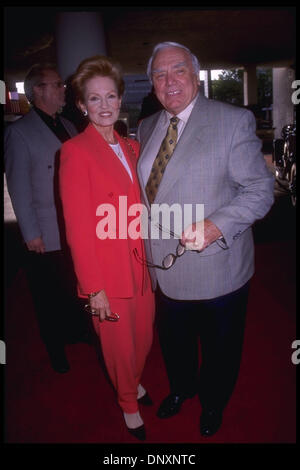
58	84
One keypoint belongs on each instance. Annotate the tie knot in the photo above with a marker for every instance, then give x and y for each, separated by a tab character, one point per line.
174	121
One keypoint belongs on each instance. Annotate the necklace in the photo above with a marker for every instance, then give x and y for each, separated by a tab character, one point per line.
117	149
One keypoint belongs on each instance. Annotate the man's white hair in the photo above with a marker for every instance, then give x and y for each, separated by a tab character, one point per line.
164	45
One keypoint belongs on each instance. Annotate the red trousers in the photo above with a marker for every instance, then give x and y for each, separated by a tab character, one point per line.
127	342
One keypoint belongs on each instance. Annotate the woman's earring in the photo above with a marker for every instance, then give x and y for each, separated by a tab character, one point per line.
85	113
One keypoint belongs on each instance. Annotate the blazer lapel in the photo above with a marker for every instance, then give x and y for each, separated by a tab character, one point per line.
48	135
151	123
106	157
132	162
192	138
130	157
145	143
68	126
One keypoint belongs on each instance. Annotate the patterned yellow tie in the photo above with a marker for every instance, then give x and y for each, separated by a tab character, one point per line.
164	154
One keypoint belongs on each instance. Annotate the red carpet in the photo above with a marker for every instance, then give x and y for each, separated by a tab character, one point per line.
79	407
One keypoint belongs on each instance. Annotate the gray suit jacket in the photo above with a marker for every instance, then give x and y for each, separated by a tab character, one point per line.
30	151
217	162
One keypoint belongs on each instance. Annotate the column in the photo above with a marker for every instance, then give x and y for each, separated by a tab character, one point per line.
205	83
78	35
283	107
209	83
250	85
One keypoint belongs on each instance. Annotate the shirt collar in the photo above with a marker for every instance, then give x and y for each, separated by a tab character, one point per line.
183	115
45	115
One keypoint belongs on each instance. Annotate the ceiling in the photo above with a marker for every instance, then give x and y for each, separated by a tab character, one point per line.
219	37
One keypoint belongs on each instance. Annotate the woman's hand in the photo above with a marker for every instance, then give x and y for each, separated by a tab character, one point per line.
100	302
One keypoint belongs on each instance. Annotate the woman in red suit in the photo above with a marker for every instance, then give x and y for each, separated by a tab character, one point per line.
98	185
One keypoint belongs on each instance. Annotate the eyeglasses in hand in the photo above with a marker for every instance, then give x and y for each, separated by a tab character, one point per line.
169	259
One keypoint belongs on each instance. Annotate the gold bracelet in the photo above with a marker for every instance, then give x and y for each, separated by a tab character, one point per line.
93	294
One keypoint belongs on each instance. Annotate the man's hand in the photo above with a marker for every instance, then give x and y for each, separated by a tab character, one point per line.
200	235
36	245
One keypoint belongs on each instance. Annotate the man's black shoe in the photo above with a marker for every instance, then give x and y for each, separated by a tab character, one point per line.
171	405
210	422
59	362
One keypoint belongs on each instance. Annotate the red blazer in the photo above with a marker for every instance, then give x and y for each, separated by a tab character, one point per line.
90	174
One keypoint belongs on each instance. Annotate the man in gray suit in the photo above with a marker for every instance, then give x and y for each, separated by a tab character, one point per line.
211	157
32	146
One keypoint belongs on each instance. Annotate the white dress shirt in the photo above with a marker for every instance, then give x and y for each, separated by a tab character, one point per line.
159	134
119	152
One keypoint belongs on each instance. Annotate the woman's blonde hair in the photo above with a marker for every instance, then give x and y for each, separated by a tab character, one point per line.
96	66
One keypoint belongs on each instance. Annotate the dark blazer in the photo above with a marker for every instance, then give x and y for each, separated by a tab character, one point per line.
30	152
